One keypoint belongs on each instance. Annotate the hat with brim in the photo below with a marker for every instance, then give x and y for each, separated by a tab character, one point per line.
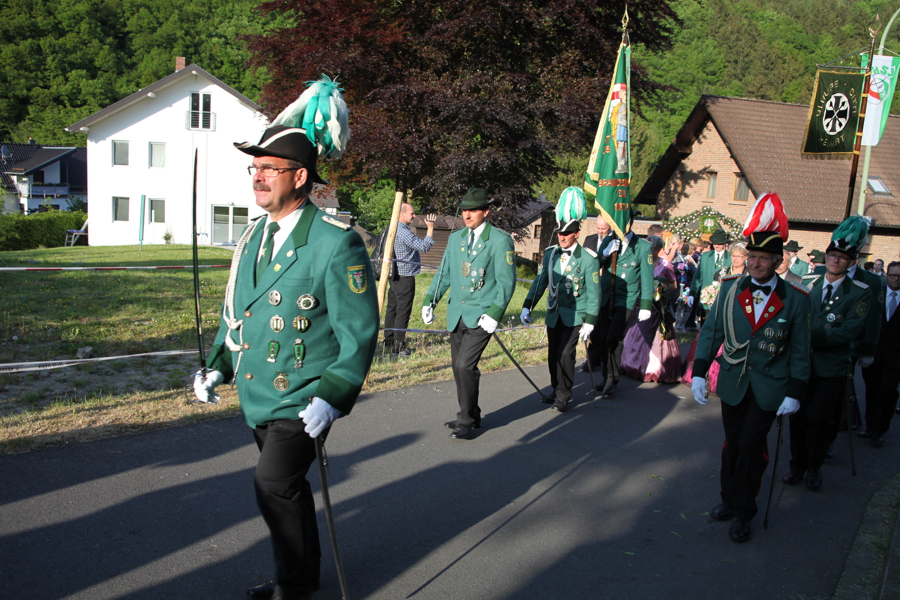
570	227
476	199
718	237
766	241
817	257
793	246
289	143
836	246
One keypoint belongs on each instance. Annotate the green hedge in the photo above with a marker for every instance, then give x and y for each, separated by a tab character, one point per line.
48	229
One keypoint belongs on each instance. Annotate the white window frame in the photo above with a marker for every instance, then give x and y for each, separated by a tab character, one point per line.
150	154
152	212
115	145
115	206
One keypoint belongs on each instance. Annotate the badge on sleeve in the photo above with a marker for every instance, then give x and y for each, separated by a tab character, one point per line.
510	258
596	277
356	277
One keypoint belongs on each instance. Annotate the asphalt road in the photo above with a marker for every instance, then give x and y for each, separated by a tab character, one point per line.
609	500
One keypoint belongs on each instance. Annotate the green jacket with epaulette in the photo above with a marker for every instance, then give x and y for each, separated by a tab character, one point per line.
574	296
634	268
835	325
706	272
484	285
335	330
771	354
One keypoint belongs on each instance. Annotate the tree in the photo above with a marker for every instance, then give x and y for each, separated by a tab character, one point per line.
460	93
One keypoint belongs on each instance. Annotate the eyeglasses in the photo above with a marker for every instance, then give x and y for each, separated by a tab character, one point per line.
268	172
893	274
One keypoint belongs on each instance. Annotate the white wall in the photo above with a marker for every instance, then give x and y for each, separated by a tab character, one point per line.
221	173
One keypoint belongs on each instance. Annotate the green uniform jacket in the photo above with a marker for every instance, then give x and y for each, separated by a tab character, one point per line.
329	263
606	278
777	347
799	267
836	325
635	269
489	285
574	305
706	271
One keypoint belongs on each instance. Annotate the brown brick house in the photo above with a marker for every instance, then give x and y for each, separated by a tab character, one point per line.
730	150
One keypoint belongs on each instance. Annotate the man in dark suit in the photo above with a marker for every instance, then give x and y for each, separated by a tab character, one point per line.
882	377
710	262
597	352
785	273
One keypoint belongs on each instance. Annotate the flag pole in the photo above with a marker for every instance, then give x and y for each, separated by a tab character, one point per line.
859	128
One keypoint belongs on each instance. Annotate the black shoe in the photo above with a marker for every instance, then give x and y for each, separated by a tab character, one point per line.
585	367
548	399
560	406
740	530
452	425
830	452
609	389
866	434
878	441
722	512
792	478
814	479
461	432
405	353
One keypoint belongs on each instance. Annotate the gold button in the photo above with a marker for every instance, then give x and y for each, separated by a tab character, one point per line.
248	314
248	376
463	301
246	346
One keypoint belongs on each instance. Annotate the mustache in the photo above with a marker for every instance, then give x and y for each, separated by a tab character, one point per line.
261	187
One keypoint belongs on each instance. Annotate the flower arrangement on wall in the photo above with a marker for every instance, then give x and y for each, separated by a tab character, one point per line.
702	222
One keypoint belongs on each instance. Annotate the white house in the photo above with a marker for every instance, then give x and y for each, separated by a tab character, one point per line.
140	159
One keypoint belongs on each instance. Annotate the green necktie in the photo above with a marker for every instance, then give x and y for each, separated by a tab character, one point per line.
268	248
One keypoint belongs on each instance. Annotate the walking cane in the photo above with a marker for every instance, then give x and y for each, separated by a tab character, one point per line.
780	420
521	370
329	518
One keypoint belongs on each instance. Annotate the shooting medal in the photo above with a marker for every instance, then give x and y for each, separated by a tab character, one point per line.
274	297
276	323
281	382
306	302
274	347
466	268
301	324
299	353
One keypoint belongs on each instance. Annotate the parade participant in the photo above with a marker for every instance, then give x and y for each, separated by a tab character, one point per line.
878	267
882	377
597	351
785	273
571	274
710	262
479	270
817	262
795	265
407	247
298	333
838	306
633	289
762	321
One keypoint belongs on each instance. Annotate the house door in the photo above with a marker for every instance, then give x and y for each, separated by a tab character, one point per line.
229	222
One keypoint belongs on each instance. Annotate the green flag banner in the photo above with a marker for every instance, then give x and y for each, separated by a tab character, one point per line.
609	168
833	115
882	84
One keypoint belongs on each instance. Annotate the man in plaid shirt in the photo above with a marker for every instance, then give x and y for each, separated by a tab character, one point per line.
407	247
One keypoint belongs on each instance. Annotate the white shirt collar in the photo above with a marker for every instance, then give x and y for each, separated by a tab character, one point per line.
286	227
478	230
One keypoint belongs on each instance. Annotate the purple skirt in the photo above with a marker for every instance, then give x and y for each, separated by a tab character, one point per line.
646	356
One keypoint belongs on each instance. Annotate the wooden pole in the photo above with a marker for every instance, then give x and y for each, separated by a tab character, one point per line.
389	250
859	131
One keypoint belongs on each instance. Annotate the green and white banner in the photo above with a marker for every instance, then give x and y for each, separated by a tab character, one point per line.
833	115
882	84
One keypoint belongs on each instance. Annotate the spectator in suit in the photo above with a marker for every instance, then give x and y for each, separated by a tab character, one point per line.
883	376
878	267
785	273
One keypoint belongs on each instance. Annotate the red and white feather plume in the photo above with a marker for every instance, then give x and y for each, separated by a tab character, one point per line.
767	215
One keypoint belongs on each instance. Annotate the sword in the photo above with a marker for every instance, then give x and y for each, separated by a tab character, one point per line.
848	391
196	261
780	420
521	370
329	518
587	354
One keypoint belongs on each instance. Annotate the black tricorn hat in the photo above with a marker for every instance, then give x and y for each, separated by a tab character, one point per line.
836	246
793	246
718	237
570	227
477	199
290	143
766	241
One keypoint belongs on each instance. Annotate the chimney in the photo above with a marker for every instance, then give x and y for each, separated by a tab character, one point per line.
179	63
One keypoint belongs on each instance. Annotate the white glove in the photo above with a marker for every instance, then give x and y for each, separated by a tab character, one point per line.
428	315
690	301
612	247
585	332
788	407
866	361
204	386
698	388
643	315
525	317
487	323
318	416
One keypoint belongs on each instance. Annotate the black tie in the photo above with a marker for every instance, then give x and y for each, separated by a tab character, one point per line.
268	248
762	288
827	295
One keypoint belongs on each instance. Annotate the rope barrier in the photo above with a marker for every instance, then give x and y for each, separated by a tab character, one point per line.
409	262
109	268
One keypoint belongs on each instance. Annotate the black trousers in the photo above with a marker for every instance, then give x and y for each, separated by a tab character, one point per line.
597	348
745	455
286	503
881	380
466	348
615	338
399	307
815	425
561	346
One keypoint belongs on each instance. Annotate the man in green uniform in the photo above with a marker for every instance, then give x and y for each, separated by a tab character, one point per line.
479	270
571	274
634	289
796	266
710	262
298	333
762	321
838	306
597	352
